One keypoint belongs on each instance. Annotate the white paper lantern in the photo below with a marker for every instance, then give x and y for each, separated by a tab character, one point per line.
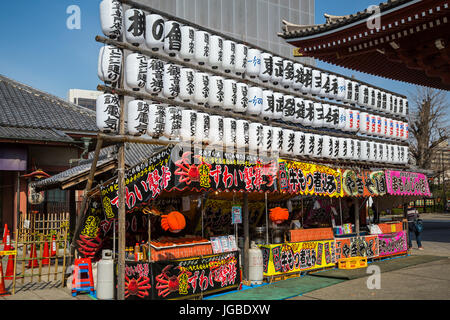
202	128
230	94
288	73
373	151
325	81
155	72
255	101
267	140
328	147
241	98
350	124
111	18
341	89
172	37
342	148
357	116
172	122
216	130
309	144
392	154
333	90
372	101
216	52
378	100
307	80
405	107
242	52
363	96
351	150
335	115
253	62
277	73
309	113
229	132
187	43
373	125
255	136
383	101
297	83
316	82
385	153
395	104
136	71
188	124
156	120
202	46
108	113
201	87
299	143
390	128
154	32
342	119
109	64
288	108
278	99
229	55
356	86
384	127
137	114
277	144
186	84
397	130
242	134
406	158
406	136
380	152
299	110
135	26
216	91
288	142
171	80
379	126
318	115
348	92
268	104
365	123
336	147
318	146
357	150
364	156
266	69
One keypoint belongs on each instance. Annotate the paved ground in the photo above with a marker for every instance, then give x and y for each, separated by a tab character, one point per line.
428	281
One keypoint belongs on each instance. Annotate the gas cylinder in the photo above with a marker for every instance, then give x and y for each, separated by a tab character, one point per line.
105	276
256	266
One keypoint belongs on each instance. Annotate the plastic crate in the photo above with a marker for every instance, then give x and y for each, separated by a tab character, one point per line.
353	263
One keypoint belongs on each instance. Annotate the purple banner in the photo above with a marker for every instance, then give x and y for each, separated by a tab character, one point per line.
392	243
407	183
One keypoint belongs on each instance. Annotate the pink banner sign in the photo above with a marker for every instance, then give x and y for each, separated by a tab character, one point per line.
392	243
407	183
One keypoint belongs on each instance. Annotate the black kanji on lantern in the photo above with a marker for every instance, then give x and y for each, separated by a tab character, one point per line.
174	36
137	27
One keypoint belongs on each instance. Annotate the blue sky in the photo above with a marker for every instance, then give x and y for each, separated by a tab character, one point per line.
39	50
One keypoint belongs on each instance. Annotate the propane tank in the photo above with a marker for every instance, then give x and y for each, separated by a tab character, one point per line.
256	267
105	276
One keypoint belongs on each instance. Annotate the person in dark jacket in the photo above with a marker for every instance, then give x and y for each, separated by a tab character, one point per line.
413	215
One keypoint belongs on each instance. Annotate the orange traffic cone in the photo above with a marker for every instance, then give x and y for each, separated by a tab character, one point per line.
33	254
9	274
45	260
3	291
53	251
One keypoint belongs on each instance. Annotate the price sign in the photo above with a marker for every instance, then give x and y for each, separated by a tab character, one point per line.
236	215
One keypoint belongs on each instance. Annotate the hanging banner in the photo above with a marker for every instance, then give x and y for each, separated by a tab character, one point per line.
392	243
186	278
90	237
297	256
185	168
364	183
365	246
407	183
311	179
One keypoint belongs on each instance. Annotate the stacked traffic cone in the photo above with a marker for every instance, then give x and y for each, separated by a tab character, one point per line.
9	274
45	260
3	291
53	251
33	254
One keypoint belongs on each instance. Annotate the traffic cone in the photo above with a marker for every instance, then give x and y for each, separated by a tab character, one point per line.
33	254
3	291
45	260
53	251
9	274
7	242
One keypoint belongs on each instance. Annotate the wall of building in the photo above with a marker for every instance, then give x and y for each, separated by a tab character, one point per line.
253	21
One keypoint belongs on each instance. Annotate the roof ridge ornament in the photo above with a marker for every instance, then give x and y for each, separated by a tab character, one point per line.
333	19
289	26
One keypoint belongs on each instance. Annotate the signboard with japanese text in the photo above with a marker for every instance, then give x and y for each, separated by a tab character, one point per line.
311	179
392	243
364	246
407	183
180	168
297	256
364	183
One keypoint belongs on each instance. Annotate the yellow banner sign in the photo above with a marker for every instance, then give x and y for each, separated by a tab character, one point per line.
8	253
308	178
298	256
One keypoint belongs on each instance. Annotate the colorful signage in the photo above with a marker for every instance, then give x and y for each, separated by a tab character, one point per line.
365	183
297	256
392	243
311	179
407	183
365	246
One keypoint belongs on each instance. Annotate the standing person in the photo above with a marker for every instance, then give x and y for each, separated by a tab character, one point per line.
376	213
413	216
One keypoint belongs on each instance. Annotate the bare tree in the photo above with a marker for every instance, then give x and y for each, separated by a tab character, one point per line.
429	122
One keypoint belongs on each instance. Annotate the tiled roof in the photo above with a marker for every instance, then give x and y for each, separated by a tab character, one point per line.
292	31
24	107
14	133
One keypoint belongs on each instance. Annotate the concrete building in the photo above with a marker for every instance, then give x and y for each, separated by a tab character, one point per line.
440	164
83	98
255	21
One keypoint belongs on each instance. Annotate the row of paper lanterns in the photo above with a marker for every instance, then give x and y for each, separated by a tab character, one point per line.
186	43
163	121
187	85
